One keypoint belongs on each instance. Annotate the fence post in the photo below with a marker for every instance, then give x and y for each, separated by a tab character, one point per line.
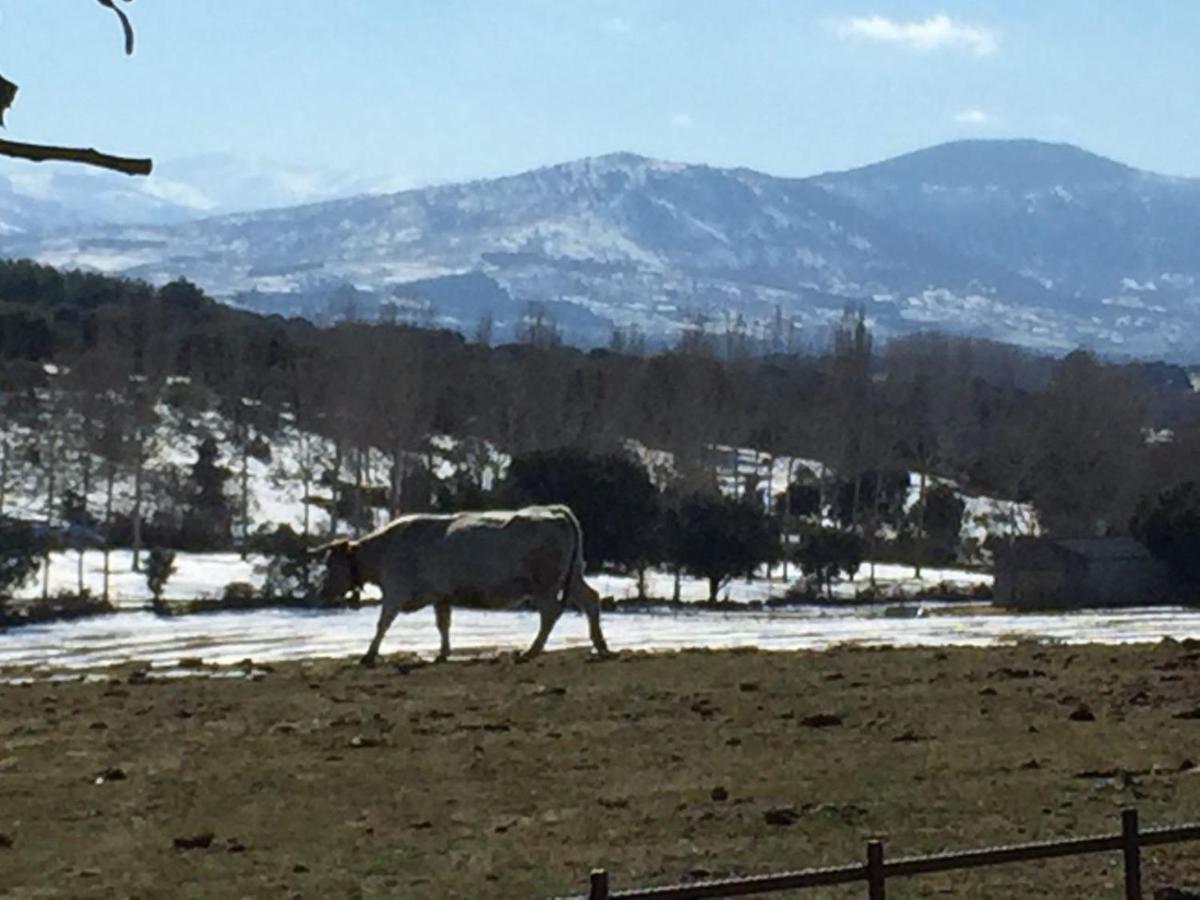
599	885
876	889
1132	849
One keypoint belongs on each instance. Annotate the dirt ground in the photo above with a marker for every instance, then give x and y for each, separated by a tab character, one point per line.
482	778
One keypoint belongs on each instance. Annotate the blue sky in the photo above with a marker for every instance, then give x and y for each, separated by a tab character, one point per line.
416	93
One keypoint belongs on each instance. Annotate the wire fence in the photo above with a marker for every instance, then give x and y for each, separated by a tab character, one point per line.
875	871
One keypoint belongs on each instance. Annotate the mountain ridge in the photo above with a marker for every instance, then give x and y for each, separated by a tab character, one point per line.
1045	244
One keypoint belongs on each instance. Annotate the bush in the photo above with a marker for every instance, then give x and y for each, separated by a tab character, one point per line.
801	591
268	541
291	577
824	553
64	605
1169	526
20	555
717	538
239	593
160	566
944	510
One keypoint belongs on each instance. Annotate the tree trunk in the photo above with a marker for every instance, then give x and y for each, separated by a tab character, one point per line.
306	478
304	484
873	543
139	465
245	498
337	488
856	502
3	473
920	522
86	466
397	480
109	478
787	514
51	474
358	491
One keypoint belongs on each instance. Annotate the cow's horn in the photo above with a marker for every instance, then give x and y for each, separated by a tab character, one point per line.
325	548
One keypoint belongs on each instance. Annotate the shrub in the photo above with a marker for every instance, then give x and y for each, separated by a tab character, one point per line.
1169	526
239	594
717	538
20	555
825	553
160	566
268	541
291	577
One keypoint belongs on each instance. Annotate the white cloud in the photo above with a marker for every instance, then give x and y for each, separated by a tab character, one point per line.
682	121
616	25
973	116
929	34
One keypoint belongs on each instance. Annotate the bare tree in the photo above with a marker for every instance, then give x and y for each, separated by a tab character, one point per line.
86	156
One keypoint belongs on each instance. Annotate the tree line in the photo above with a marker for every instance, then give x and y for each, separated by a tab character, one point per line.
87	362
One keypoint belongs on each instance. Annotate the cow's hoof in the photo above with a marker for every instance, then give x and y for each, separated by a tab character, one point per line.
441	658
367	661
522	658
602	655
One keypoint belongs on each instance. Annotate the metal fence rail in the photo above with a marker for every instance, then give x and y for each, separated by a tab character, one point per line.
876	870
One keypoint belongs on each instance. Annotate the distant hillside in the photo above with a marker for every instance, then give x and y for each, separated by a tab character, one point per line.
1041	244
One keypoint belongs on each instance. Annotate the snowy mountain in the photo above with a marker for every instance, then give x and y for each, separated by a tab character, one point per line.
1045	245
53	196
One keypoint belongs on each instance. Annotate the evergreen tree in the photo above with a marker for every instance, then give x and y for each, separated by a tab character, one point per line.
611	494
209	520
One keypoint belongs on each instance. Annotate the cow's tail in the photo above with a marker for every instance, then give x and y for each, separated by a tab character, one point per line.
575	567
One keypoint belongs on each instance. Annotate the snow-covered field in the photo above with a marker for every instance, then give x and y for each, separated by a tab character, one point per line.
134	634
272	635
197	576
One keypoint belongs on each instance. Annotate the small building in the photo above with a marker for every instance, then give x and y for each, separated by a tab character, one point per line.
1082	573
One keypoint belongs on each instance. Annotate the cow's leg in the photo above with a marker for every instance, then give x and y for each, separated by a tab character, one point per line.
587	601
442	610
550	609
387	615
591	609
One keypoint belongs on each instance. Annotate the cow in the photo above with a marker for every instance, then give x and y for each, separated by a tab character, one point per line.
480	560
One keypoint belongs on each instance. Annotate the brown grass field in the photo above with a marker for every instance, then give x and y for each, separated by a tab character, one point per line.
481	778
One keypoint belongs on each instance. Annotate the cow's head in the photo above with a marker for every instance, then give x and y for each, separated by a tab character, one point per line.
341	571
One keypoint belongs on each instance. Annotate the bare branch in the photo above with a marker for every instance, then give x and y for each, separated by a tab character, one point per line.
125	23
87	156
